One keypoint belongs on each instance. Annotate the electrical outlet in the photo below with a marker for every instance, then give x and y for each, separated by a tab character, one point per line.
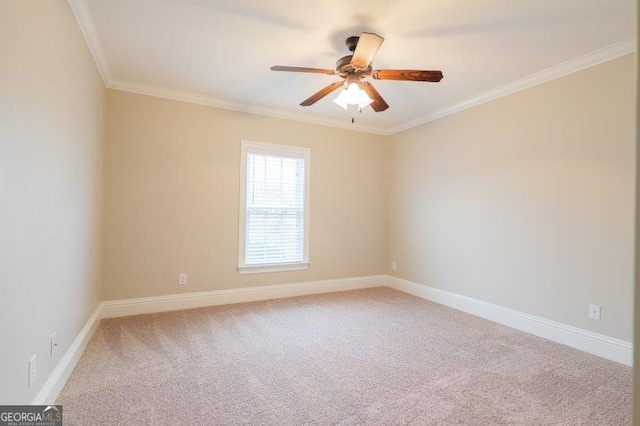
32	369
594	312
394	265
53	345
182	279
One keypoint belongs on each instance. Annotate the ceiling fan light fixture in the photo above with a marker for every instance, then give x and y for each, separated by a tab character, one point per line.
356	93
353	95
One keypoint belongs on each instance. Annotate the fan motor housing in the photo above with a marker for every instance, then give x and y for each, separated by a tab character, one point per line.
344	67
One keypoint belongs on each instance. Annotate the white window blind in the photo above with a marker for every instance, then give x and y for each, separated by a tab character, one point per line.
275	216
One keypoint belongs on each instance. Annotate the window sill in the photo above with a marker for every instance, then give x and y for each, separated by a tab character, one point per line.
275	267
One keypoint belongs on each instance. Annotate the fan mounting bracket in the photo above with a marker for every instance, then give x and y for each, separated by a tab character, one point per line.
352	42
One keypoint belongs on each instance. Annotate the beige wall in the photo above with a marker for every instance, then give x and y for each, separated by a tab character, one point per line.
172	187
51	137
527	201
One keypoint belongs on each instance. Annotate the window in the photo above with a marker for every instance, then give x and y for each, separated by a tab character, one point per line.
274	208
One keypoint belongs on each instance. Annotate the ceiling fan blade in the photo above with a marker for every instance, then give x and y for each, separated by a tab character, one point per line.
303	69
378	103
407	75
322	93
367	46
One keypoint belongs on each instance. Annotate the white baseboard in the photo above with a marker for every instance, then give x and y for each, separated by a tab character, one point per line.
146	305
597	344
56	381
594	343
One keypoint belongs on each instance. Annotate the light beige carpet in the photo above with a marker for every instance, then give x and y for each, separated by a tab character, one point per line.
375	356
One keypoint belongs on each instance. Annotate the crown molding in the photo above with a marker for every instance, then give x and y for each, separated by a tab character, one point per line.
85	21
81	12
590	59
202	99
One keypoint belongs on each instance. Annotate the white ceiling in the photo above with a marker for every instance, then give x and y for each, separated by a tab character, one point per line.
219	52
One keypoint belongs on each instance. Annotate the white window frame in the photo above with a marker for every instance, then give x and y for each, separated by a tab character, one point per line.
283	151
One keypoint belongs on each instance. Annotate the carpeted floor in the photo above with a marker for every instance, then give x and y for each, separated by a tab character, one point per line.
375	356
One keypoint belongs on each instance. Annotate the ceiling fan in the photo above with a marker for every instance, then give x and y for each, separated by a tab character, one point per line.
354	69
